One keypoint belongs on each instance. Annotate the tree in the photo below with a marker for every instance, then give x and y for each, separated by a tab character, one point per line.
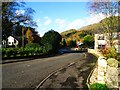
73	43
88	40
12	17
37	39
82	34
53	38
109	9
18	31
29	36
64	43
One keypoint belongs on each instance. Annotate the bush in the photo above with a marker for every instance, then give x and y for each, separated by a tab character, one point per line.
21	52
109	52
38	51
27	51
15	52
112	62
32	45
98	86
9	52
48	48
30	49
3	52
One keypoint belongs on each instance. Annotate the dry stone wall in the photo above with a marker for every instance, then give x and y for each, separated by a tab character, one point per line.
106	72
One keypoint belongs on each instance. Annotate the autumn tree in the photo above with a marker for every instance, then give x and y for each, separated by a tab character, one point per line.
110	10
29	36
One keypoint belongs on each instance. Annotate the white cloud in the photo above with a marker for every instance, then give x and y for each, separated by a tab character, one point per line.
41	31
19	12
75	24
61	22
78	23
38	21
46	17
47	21
60	25
94	18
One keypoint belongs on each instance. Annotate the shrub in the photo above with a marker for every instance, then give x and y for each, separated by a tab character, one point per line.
112	62
40	50
47	49
98	86
15	52
21	51
30	49
37	51
9	52
3	52
32	45
27	51
109	52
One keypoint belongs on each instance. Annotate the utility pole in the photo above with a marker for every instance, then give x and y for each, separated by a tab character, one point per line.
23	37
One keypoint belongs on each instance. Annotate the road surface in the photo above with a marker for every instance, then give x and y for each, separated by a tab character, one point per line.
28	74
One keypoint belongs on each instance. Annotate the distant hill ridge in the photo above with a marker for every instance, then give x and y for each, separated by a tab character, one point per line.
93	28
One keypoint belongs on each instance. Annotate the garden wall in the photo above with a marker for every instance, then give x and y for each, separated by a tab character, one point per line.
105	72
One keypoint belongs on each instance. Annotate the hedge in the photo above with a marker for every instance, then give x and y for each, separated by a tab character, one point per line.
16	52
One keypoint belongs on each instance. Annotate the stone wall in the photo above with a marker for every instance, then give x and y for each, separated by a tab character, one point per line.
112	73
105	72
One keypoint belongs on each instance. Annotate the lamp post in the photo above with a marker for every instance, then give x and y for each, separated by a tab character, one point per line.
23	37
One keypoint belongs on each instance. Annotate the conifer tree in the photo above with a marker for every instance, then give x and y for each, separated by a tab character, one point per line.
29	36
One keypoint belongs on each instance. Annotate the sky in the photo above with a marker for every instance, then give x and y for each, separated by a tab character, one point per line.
62	16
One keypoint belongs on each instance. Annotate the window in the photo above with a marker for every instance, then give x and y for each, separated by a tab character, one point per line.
101	38
9	43
101	46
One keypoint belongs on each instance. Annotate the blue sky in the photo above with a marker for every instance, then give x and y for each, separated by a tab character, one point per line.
61	16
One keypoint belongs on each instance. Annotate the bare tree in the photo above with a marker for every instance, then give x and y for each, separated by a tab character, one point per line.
110	9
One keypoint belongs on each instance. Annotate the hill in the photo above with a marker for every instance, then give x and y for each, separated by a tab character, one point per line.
78	35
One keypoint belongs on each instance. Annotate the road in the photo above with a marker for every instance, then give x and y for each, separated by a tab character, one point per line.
28	74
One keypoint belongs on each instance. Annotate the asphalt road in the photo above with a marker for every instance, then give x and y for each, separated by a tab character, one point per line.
28	74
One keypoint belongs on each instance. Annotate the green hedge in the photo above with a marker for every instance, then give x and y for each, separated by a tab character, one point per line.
29	50
16	52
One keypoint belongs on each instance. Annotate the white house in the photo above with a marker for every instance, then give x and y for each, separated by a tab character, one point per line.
101	40
12	41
